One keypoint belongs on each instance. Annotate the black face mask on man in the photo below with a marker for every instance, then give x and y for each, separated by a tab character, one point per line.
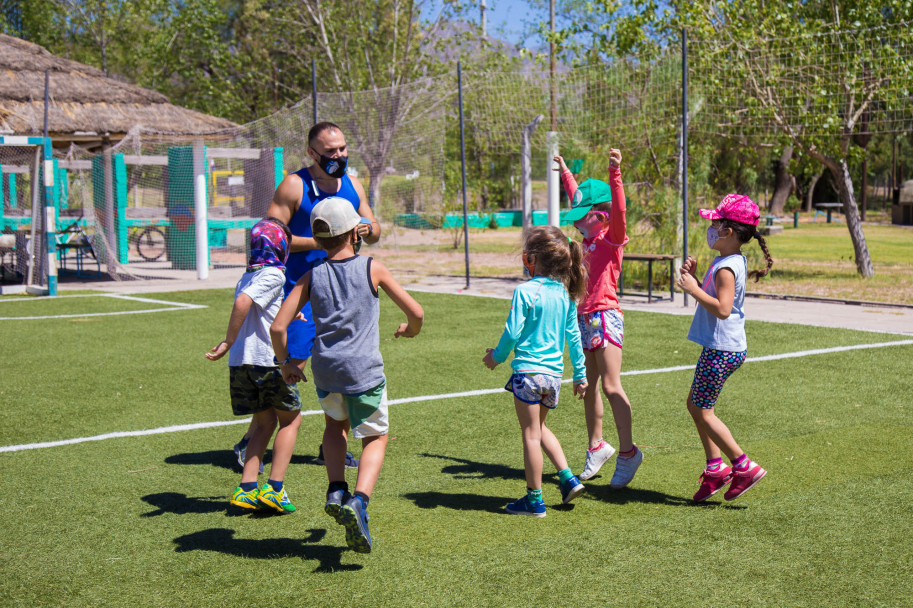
334	167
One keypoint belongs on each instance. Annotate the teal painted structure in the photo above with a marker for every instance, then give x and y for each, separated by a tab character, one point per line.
119	189
501	219
180	238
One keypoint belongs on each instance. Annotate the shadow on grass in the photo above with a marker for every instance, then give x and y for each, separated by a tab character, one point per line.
627	495
181	504
470	469
458	502
222	540
224	459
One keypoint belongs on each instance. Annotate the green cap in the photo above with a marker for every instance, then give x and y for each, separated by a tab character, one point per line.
591	192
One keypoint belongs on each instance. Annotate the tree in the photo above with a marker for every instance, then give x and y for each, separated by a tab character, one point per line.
781	69
814	89
384	48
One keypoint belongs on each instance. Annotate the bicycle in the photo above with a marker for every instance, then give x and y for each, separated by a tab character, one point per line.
149	242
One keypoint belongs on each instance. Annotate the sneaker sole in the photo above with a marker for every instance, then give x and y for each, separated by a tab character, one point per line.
723	485
277	507
332	509
573	494
585	477
526	513
355	538
244	505
753	484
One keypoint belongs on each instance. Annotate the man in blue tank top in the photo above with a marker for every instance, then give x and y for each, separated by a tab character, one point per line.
292	203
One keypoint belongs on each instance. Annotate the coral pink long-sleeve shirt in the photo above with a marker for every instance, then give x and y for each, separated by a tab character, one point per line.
603	252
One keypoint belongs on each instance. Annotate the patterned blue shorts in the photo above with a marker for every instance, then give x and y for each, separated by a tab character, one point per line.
601	327
535	388
713	368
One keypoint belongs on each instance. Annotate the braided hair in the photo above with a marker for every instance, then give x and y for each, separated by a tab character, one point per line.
746	232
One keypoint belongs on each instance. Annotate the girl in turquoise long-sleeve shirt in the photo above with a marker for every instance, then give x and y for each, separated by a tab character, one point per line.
543	316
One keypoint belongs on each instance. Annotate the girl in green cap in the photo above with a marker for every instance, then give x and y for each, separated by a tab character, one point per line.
599	214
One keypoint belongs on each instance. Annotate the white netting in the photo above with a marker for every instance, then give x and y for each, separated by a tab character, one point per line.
819	85
623	104
137	200
20	180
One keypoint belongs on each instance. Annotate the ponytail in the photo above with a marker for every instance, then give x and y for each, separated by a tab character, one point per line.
557	257
757	274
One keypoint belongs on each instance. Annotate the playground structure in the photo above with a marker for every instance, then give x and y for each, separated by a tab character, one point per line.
95	195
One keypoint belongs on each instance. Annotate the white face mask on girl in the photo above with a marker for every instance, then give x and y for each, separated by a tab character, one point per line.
713	235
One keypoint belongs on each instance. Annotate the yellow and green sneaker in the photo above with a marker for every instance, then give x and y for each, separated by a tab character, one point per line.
275	500
245	500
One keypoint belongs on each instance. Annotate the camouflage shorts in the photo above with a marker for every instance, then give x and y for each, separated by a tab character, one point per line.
254	389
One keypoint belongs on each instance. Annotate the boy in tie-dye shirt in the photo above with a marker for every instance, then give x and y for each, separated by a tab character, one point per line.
255	382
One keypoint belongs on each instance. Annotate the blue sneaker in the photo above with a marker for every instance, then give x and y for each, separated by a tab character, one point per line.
335	500
571	488
354	517
523	506
351	461
241	453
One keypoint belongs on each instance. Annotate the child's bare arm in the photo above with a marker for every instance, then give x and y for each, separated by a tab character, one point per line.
414	313
238	313
720	306
278	331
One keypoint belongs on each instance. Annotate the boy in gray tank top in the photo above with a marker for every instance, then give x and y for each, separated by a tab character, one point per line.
346	361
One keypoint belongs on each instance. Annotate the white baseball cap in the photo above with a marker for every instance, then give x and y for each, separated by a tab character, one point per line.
338	214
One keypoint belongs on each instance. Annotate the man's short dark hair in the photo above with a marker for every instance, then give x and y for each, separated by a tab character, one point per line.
319	128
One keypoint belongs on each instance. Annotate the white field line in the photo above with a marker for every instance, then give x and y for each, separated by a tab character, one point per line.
171	306
476	393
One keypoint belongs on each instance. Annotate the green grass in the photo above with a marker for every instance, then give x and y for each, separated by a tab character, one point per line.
142	521
815	259
823	242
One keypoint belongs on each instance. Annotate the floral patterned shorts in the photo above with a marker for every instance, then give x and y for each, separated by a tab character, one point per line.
598	328
535	388
713	368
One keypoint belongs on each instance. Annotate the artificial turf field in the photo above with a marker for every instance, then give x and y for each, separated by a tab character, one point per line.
143	520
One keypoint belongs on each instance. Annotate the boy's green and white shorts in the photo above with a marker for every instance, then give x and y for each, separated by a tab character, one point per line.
255	388
366	412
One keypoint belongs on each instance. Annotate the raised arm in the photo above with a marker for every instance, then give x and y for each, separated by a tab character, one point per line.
285	203
238	313
567	178
415	315
618	229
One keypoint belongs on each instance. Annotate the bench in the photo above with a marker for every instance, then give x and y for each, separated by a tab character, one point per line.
73	239
649	258
826	207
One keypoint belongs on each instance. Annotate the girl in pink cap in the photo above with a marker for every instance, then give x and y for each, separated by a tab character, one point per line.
719	326
599	214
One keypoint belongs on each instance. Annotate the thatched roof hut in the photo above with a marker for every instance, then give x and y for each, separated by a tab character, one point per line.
85	107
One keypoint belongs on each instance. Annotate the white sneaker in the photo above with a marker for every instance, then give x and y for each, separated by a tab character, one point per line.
625	469
595	460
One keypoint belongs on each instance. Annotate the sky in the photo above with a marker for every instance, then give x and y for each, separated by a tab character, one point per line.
515	17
